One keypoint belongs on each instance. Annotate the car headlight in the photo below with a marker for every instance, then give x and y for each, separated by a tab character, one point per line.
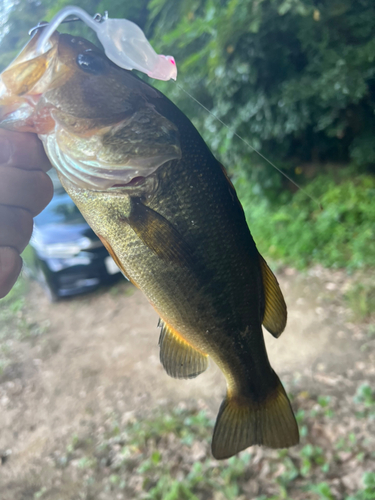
67	249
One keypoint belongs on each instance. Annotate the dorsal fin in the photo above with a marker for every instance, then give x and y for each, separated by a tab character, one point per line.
178	357
275	313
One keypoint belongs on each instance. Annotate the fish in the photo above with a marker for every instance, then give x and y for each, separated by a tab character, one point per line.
168	214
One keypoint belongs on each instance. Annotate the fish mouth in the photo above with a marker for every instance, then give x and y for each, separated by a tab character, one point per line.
15	117
23	83
18	114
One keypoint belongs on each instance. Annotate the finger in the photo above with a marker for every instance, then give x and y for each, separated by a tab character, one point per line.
10	268
16	226
31	190
23	150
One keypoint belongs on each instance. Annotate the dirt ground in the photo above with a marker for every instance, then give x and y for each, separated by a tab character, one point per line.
98	354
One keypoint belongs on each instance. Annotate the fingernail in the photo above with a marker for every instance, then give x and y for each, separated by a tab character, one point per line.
5	150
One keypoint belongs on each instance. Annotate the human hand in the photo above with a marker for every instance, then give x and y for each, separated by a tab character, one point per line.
25	189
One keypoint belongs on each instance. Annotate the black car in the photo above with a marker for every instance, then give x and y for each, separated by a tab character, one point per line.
64	253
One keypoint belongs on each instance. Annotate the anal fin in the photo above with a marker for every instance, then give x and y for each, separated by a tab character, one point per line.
275	313
178	357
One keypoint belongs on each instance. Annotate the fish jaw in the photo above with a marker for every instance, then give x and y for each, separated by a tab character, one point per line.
23	83
17	116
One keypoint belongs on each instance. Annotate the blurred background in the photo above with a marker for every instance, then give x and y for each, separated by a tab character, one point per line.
86	411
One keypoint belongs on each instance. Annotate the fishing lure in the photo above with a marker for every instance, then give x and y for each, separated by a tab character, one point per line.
123	41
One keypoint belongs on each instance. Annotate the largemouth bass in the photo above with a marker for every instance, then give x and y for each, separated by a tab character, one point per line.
165	209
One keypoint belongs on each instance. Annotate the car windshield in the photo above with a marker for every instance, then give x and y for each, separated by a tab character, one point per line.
61	209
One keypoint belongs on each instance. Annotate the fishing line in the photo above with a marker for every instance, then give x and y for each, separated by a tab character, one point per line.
251	147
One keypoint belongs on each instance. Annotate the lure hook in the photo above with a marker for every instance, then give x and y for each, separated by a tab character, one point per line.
43	24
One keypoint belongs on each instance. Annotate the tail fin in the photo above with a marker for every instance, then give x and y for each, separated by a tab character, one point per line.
242	422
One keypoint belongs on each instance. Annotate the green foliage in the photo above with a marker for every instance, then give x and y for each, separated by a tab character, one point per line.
299	232
293	76
15	22
361	297
14	320
186	428
11	308
152	459
323	490
366	395
311	456
40	493
368	491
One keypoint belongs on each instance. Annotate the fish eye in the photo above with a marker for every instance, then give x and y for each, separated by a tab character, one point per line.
90	63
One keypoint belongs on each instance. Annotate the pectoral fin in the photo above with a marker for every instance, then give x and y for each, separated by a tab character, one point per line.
159	235
275	313
178	357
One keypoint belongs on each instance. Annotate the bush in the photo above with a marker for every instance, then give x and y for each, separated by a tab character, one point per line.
294	77
299	232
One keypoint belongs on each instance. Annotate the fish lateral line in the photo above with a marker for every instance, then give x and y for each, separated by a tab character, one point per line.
251	147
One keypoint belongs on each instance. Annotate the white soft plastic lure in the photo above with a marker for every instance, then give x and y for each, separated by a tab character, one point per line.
124	43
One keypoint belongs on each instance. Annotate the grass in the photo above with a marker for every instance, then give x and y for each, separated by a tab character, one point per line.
361	297
15	322
297	231
166	456
365	396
